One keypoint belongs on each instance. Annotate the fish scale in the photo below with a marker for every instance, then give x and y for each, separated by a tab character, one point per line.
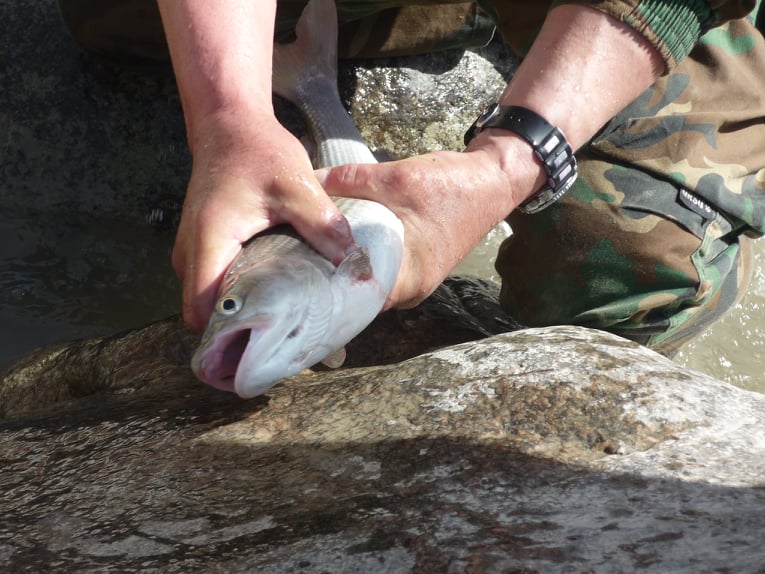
338	139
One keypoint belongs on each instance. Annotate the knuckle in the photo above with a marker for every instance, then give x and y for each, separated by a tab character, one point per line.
352	176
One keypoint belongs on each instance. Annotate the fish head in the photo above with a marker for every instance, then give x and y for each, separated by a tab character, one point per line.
267	324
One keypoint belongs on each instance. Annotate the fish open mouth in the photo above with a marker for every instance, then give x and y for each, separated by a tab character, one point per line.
232	354
219	364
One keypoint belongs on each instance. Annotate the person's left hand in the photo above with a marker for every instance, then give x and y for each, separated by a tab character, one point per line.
447	201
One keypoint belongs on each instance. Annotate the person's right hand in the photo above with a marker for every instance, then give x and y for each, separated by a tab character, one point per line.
246	177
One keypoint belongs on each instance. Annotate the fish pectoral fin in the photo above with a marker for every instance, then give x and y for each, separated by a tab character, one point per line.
357	265
335	359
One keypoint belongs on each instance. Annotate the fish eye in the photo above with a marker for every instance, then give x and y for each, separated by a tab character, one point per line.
229	305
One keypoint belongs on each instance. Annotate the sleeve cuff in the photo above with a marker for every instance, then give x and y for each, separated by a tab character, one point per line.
673	27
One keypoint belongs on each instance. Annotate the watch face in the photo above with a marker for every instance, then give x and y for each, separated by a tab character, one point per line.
549	145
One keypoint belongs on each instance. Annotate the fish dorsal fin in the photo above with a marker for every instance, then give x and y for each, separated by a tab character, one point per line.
357	266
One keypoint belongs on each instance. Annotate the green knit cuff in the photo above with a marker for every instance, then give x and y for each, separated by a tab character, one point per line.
673	27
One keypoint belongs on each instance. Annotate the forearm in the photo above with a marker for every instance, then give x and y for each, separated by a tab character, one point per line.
583	68
222	57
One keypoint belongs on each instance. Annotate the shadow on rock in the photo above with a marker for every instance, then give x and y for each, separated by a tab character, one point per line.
420	467
158	355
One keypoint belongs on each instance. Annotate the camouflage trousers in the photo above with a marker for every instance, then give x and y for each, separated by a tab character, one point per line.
132	29
652	243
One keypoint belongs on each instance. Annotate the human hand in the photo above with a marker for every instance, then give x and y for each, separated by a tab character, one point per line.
447	201
247	177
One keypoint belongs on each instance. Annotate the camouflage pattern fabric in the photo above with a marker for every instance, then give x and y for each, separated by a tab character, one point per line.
372	29
617	254
132	29
672	27
652	241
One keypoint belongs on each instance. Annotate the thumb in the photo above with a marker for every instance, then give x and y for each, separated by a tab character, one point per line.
348	180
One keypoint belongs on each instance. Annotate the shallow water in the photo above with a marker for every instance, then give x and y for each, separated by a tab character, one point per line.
732	350
92	155
64	277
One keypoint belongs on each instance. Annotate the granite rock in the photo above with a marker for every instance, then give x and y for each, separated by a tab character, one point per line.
540	450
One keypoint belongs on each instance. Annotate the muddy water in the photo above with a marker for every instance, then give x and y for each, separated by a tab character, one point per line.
732	350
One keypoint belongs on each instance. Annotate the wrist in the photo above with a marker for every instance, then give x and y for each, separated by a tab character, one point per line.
549	146
523	171
229	127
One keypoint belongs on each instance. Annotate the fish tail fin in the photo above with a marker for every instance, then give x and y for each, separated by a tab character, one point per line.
313	55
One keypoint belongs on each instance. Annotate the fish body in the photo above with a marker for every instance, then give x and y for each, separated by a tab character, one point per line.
282	306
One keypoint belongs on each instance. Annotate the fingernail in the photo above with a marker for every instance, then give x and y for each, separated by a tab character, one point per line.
344	234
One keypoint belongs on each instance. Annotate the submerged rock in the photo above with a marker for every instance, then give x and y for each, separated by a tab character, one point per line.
461	309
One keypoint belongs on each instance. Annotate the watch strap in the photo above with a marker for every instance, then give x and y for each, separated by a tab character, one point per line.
549	145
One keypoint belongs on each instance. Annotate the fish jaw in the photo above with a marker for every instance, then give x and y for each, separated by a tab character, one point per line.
281	307
258	373
251	354
299	299
290	345
217	362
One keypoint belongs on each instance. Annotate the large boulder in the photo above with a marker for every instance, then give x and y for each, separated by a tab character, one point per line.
542	450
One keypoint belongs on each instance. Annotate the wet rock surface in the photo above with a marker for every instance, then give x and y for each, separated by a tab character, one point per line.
461	309
542	450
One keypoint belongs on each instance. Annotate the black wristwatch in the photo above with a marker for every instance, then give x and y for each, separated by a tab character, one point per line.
549	144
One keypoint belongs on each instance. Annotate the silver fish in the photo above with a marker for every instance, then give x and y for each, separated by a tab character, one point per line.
282	306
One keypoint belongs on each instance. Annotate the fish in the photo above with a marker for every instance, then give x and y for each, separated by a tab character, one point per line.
282	307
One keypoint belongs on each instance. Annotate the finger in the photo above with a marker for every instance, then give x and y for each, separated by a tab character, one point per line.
350	180
203	271
319	221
